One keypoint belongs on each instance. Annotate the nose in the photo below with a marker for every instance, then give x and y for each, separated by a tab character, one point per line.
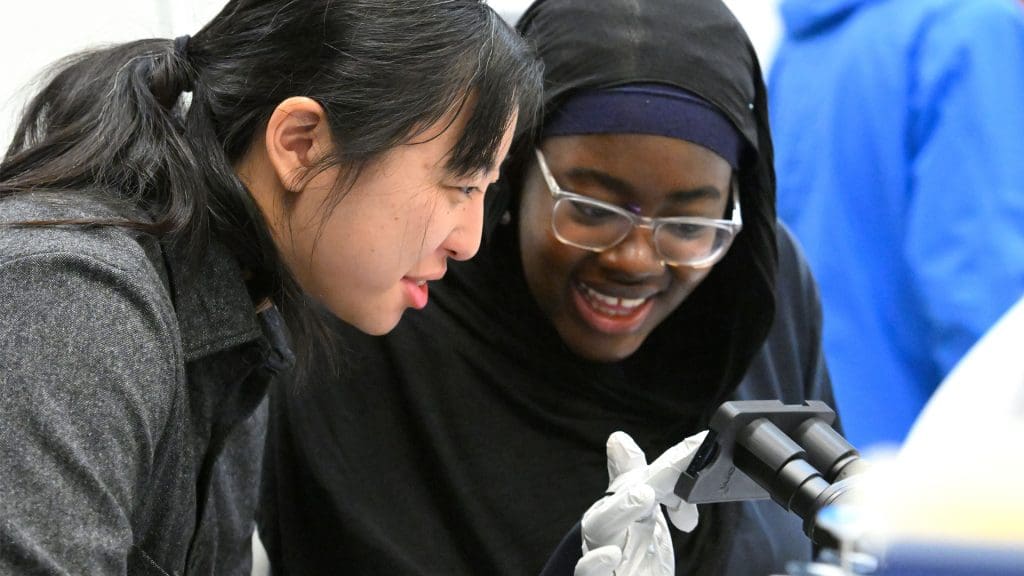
464	240
634	257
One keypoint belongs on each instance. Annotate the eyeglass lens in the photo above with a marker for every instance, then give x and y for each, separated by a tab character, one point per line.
592	226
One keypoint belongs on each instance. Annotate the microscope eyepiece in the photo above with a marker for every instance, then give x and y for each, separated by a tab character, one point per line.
762	449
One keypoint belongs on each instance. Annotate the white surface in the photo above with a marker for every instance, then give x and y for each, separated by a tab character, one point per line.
958	475
985	389
36	33
260	563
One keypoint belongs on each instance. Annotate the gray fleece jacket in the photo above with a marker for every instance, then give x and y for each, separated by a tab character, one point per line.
131	416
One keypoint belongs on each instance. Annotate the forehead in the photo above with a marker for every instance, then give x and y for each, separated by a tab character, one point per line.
436	144
644	161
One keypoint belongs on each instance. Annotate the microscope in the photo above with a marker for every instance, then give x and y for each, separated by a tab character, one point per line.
764	448
790	453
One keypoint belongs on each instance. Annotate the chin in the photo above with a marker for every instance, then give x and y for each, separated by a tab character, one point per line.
372	324
603	349
380	327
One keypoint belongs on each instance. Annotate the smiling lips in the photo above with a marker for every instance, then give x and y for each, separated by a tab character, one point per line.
610	314
611	305
417	292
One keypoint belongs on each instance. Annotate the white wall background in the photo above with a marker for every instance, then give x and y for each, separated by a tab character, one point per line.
34	33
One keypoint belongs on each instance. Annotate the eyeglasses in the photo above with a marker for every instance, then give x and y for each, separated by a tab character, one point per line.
593	225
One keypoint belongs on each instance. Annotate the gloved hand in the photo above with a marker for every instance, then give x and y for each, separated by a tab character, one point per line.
625	533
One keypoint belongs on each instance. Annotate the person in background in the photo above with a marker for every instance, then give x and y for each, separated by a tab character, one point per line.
633	278
898	129
167	208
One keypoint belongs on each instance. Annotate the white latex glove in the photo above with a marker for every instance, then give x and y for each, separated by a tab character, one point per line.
625	533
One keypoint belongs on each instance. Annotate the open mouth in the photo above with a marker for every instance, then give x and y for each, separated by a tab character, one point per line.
610	305
417	292
608	313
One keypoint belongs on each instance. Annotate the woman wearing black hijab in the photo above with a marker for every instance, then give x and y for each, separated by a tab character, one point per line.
634	278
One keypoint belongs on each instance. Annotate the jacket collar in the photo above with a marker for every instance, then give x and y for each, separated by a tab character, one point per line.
213	306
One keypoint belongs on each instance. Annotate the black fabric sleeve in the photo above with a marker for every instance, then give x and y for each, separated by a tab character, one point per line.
569	551
806	303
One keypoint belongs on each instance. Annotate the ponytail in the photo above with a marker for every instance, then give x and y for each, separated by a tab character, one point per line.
103	126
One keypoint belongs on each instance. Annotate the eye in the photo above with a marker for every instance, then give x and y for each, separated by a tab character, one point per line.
464	189
590	212
689	232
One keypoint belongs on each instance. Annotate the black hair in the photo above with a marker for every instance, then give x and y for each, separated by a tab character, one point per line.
110	124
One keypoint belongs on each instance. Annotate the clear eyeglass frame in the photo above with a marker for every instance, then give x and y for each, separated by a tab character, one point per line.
729	228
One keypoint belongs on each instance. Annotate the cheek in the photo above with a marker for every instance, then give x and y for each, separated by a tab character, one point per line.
558	260
548	264
299	239
687	279
354	250
535	241
439	216
387	229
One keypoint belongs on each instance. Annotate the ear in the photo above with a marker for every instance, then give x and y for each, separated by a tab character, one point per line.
297	137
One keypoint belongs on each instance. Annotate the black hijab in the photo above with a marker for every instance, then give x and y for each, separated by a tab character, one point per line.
698	356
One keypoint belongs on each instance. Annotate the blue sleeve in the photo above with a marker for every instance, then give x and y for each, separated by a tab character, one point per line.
965	239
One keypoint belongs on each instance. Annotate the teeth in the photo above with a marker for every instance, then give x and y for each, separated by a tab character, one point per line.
421	282
620	306
631	303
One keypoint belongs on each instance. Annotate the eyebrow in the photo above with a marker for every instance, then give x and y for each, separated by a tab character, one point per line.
450	170
624	188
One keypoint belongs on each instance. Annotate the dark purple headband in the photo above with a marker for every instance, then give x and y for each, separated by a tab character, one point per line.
657	109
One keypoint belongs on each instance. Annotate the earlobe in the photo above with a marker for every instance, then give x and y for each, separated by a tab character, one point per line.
297	137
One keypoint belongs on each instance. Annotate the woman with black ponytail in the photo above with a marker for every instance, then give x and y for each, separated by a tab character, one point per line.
171	211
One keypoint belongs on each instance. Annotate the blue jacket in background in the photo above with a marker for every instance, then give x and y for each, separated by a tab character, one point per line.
899	134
